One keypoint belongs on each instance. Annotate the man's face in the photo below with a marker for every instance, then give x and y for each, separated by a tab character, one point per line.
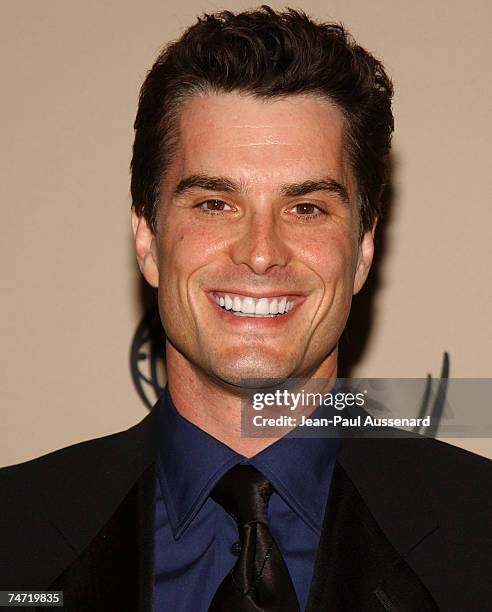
258	215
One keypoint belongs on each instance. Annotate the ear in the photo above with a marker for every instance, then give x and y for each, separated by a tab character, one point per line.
145	248
364	259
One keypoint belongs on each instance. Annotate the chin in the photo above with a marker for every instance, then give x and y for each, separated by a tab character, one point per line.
251	371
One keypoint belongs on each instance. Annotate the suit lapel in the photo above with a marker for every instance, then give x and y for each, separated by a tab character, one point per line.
145	540
360	563
112	569
115	571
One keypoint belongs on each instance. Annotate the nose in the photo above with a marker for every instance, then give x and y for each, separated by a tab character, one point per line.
260	245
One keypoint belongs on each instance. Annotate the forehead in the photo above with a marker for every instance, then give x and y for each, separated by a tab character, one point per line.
260	142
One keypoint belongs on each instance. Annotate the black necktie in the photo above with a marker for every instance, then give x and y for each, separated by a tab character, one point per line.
260	580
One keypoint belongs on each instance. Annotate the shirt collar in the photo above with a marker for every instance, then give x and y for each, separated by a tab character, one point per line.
191	462
300	469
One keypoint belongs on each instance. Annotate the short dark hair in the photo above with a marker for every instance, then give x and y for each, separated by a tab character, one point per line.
268	54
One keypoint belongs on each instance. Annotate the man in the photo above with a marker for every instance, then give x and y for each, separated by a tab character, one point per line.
259	162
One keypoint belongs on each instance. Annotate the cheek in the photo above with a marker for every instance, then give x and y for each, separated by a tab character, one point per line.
186	247
330	257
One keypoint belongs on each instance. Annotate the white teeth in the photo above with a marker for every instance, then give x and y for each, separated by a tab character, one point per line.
257	307
262	307
247	305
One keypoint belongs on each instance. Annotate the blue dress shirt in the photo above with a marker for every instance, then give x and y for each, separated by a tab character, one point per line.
196	541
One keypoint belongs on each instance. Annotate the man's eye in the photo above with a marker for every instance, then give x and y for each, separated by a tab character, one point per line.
213	206
307	211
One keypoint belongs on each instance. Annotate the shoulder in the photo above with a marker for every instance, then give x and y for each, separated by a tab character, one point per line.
77	473
79	461
444	466
452	462
459	484
452	483
54	505
434	460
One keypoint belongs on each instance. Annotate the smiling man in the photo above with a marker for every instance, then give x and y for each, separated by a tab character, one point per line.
258	239
260	157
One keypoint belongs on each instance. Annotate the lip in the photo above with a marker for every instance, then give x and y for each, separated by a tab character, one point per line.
256	322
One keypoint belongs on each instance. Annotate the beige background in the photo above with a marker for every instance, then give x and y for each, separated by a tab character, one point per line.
70	302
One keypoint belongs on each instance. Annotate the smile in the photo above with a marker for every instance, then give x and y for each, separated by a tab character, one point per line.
248	306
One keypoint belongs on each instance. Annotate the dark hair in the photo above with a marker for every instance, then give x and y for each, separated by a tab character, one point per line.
267	54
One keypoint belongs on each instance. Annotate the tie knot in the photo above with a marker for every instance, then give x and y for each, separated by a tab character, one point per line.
244	493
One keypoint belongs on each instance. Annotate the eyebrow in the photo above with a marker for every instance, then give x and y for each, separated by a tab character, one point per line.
211	183
224	184
306	187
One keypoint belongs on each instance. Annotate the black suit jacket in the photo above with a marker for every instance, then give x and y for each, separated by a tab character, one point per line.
407	526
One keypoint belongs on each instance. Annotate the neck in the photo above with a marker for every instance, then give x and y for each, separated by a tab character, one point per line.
216	409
